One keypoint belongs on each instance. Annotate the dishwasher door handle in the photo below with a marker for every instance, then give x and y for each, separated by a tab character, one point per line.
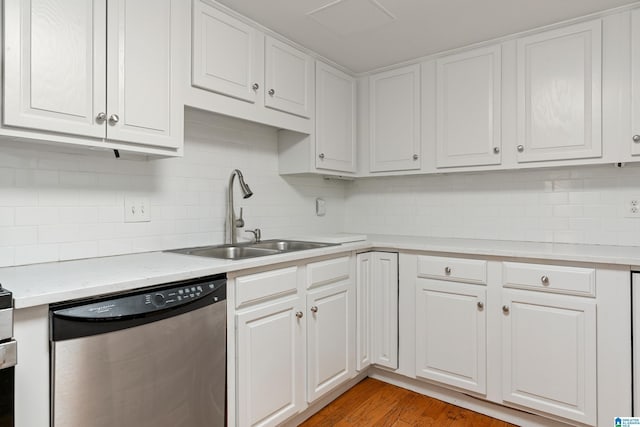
8	354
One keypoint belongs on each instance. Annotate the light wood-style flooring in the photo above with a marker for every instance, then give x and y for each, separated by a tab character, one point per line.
375	403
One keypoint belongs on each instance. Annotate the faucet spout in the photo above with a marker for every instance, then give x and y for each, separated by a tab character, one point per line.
231	235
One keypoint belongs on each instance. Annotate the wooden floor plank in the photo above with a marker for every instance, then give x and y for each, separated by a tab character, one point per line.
375	403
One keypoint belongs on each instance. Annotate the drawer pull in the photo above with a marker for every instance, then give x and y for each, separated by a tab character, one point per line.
505	309
314	309
299	314
545	280
447	270
480	305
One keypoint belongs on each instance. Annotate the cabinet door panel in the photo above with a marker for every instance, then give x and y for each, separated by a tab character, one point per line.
270	368
395	120
224	53
559	94
54	65
549	354
364	284
289	74
469	108
143	61
335	119
635	81
451	334
331	339
385	307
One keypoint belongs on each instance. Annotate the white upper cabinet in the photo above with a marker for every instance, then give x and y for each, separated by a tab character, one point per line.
469	108
634	139
54	78
143	105
224	54
71	69
559	94
395	120
288	78
335	119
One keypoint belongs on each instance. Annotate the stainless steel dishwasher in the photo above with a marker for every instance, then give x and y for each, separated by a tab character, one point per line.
155	357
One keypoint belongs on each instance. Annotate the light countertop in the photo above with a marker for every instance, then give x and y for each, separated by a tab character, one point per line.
48	283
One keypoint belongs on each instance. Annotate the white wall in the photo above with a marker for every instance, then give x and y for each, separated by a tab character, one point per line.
60	206
571	205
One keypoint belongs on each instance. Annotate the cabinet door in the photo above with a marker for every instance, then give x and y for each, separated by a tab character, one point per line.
634	139
384	281
335	119
469	108
451	344
330	338
395	119
224	53
54	65
270	368
144	82
364	284
559	94
288	78
549	354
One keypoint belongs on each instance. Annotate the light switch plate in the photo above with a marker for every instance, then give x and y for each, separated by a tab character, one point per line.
137	209
321	207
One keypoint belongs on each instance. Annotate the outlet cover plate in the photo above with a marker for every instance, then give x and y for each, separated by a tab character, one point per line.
137	209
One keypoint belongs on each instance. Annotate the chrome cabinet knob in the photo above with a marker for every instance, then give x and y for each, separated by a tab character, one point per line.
314	309
480	305
447	270
101	117
299	314
496	150
544	280
321	155
272	92
255	86
114	119
415	157
636	138
505	309
520	148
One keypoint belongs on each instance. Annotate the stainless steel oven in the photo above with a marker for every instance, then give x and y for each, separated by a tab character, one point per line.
151	358
8	359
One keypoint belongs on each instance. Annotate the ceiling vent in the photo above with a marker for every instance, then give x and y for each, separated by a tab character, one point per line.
347	17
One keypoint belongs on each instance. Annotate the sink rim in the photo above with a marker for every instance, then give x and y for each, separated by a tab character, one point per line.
255	246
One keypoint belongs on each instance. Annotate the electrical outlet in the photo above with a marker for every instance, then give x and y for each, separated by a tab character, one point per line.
632	207
137	209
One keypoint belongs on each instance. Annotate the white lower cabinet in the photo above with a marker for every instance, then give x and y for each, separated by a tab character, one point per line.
294	326
549	354
270	366
451	344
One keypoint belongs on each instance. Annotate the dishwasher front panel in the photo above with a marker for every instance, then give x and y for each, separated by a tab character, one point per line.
169	373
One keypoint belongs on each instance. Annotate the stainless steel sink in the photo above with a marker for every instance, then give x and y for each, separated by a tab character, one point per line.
251	250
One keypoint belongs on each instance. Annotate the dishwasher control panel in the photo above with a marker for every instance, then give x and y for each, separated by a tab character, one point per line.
179	295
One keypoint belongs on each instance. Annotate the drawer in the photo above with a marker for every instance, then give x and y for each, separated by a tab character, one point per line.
454	269
550	278
329	271
257	287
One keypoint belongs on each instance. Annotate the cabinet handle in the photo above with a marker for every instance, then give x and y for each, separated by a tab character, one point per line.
496	150
255	86
520	148
480	305
544	280
636	138
101	117
447	270
272	92
114	119
505	309
314	309
415	157
321	155
299	314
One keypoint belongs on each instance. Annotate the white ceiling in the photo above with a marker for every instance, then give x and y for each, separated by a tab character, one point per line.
367	34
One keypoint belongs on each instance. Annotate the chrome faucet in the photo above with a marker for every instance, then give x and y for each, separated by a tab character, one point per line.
231	235
257	234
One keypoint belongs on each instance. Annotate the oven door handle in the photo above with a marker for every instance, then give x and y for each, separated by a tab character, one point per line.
8	354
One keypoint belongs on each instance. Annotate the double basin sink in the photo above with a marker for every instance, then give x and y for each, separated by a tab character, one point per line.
251	250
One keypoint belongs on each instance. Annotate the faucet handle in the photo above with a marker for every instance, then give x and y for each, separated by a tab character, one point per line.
239	220
256	233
